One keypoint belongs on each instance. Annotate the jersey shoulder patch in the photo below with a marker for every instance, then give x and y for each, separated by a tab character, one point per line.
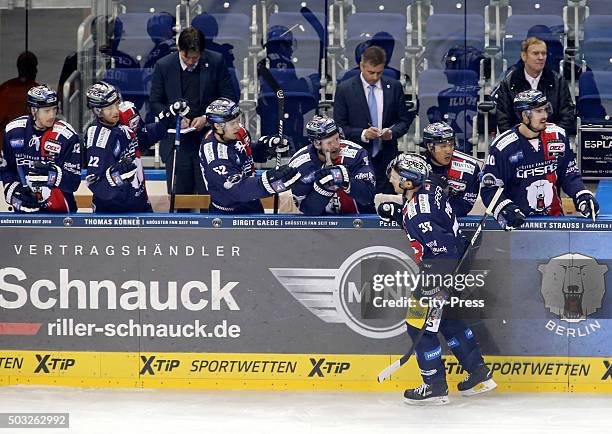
16	123
552	128
222	151
424	206
300	158
466	157
63	129
207	152
103	135
504	140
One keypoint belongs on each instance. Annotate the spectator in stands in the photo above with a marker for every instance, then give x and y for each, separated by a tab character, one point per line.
115	57
534	75
200	76
160	28
371	109
209	27
13	92
301	93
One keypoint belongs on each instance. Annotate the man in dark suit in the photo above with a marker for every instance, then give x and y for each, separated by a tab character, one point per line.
371	109
199	76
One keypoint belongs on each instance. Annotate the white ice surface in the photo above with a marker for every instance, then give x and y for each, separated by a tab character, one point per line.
138	411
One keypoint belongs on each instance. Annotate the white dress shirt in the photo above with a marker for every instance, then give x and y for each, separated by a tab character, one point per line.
533	81
378	93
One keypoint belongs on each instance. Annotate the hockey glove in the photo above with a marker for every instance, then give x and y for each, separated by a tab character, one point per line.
275	145
128	115
21	198
510	217
390	212
279	180
179	108
587	205
44	175
121	172
332	178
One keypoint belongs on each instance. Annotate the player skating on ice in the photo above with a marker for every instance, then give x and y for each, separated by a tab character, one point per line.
431	226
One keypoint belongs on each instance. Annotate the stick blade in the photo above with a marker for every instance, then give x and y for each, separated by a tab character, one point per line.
386	373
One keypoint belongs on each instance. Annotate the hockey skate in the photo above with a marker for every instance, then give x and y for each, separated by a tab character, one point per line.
477	382
428	394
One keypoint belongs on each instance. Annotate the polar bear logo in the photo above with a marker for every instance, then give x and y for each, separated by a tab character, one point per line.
573	286
540	194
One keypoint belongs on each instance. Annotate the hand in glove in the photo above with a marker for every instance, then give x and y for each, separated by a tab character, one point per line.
276	145
390	212
44	175
587	205
279	180
121	172
510	217
332	178
21	198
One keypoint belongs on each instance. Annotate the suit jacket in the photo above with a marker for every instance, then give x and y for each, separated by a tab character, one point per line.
215	82
352	114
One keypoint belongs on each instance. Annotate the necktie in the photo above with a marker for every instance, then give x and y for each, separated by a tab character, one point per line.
374	116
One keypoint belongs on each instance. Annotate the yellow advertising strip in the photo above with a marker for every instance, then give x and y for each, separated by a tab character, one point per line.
287	371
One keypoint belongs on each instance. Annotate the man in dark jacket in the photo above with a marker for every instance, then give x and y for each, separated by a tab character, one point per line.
199	76
534	75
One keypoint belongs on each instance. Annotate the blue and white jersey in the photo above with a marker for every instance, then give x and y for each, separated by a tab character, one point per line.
357	199
431	226
532	172
229	173
107	146
24	145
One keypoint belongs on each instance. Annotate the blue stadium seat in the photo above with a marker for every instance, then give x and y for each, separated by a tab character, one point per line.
293	6
597	42
599	7
301	97
595	100
134	38
445	31
537	7
390	29
452	97
460	6
307	42
519	26
385	6
229	35
133	83
227	6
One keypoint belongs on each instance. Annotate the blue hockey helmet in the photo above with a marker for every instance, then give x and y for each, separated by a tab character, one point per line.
321	127
410	167
222	110
438	133
41	96
101	94
529	100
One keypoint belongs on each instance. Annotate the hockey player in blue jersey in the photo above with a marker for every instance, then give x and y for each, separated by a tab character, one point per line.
533	161
227	160
114	170
337	177
431	226
40	166
460	172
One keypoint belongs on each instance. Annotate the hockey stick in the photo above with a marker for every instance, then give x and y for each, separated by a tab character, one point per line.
177	144
386	373
267	76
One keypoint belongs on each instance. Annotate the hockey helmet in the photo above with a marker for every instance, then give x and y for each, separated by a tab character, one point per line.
161	26
222	110
41	96
529	100
321	127
280	34
102	94
438	133
410	167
